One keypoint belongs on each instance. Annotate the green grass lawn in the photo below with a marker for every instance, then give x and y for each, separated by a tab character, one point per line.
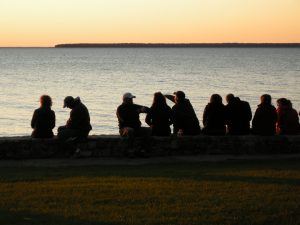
231	192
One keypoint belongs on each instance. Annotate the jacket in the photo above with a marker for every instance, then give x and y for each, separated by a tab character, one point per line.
287	121
160	119
184	117
129	115
214	117
264	120
238	115
79	117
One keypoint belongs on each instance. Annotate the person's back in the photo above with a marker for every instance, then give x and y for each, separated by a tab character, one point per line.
78	124
160	120
184	116
159	117
288	120
129	116
214	117
238	115
79	117
43	119
264	120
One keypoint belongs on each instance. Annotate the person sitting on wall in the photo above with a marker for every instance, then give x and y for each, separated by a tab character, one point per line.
238	115
287	118
128	115
214	116
265	117
185	121
78	125
43	119
159	117
129	119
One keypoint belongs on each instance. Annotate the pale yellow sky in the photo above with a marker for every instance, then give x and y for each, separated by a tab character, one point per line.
49	22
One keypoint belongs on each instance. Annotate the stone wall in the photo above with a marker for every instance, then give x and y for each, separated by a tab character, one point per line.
114	146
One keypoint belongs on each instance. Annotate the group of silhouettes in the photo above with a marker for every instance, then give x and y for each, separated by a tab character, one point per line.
218	119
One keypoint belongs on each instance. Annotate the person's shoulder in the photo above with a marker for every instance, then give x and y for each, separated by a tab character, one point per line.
244	102
37	110
271	107
294	111
121	106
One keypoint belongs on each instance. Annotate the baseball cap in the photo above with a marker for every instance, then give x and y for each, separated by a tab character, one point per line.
68	100
128	95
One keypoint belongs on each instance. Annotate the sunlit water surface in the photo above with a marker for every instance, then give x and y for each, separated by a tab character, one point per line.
101	76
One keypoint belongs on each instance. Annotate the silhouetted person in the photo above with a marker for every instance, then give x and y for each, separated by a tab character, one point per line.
185	121
130	127
287	118
159	116
128	115
265	117
78	125
238	116
43	119
214	116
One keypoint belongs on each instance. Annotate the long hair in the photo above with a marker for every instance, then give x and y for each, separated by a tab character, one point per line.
284	103
159	100
46	101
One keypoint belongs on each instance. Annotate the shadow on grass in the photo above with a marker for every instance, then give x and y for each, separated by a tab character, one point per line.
23	218
196	171
251	180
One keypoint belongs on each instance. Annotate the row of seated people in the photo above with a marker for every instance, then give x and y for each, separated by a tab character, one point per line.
218	119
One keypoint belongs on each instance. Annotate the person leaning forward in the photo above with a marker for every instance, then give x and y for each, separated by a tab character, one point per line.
78	125
129	119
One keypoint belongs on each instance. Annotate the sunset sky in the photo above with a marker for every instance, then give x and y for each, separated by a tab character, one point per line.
49	22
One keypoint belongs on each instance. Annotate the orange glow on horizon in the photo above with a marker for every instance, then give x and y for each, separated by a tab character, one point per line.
45	23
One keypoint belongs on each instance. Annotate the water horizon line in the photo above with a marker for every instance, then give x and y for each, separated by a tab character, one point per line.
173	45
168	45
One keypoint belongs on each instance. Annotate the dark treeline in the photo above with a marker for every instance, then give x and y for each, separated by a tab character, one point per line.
179	45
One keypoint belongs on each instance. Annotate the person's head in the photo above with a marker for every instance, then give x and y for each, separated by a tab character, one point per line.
179	96
266	99
216	99
159	99
283	103
128	98
45	101
69	102
229	98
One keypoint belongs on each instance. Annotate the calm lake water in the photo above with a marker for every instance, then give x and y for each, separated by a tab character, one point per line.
101	75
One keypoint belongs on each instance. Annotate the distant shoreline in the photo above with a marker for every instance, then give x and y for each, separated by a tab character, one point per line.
179	45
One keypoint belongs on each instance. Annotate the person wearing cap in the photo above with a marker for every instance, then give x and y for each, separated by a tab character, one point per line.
78	125
185	121
43	119
128	115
